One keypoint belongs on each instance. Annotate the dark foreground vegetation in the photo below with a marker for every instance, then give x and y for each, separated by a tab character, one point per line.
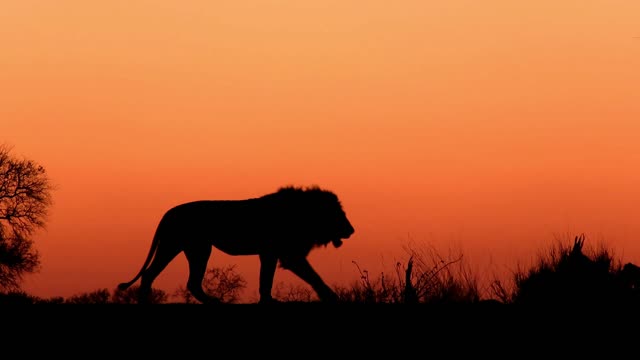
567	273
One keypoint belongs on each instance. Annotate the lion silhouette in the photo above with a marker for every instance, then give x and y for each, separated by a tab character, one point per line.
281	228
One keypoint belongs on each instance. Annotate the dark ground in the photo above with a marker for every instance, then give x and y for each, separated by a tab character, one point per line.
311	330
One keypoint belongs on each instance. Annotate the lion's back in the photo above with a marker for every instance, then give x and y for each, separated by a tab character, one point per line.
235	216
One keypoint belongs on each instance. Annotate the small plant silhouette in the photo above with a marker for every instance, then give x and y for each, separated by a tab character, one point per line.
427	278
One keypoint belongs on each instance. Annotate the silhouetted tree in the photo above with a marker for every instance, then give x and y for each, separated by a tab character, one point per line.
224	283
25	196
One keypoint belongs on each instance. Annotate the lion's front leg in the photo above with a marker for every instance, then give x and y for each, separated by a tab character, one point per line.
304	270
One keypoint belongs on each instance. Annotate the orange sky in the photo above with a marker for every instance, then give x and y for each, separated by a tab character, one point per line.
490	126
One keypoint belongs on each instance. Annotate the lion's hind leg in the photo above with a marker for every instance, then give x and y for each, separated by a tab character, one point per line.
162	258
198	257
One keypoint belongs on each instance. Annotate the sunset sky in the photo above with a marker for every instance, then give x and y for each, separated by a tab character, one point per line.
488	126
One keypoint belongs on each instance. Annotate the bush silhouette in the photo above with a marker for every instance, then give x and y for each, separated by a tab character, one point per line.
569	276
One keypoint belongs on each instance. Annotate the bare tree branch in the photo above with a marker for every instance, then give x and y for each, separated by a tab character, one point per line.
25	197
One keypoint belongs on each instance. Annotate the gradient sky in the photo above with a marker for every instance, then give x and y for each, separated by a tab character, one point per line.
492	126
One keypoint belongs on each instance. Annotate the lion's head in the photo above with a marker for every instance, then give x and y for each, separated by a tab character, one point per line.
317	215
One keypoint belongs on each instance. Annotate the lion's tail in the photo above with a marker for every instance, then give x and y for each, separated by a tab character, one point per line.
152	251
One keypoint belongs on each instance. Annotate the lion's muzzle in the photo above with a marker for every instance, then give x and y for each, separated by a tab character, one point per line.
337	242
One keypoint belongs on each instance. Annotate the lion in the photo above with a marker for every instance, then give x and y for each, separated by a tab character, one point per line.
281	228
